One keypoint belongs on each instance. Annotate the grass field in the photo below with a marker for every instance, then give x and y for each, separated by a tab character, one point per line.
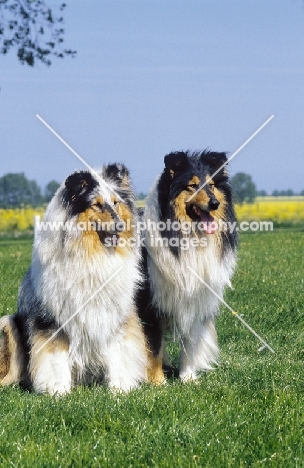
247	413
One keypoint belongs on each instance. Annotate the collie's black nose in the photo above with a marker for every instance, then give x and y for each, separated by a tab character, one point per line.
213	204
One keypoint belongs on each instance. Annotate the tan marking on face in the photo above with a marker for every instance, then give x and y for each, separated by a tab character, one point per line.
220	212
194	181
97	200
201	199
90	240
209	180
179	206
126	215
95	216
180	203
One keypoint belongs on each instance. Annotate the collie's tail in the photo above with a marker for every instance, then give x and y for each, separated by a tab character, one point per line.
12	356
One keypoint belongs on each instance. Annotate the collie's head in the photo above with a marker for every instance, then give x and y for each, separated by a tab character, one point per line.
102	208
194	188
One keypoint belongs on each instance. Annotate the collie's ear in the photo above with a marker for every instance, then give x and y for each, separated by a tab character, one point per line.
176	162
213	159
79	184
119	173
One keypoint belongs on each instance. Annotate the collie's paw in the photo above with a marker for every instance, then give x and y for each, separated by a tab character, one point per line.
157	378
188	376
59	389
53	387
122	387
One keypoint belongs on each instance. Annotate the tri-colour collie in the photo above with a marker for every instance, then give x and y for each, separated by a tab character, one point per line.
76	320
189	258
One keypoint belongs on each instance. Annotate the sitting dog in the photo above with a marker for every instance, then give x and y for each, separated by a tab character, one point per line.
189	257
76	320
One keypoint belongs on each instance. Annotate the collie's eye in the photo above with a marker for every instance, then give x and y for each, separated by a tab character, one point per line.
193	186
115	202
211	186
99	206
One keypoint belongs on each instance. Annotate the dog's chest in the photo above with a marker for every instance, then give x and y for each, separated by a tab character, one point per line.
187	288
89	300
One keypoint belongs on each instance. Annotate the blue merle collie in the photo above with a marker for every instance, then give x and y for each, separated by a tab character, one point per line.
76	320
187	249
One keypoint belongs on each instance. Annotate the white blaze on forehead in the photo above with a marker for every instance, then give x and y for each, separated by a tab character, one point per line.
105	193
107	189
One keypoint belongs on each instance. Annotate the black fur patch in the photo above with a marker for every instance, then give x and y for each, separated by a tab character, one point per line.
176	162
118	172
32	313
78	187
120	175
148	314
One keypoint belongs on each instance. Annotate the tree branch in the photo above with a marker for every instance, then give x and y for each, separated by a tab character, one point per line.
31	27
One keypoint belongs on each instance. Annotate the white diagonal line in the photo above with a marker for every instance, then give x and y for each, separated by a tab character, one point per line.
103	182
231	157
233	312
79	309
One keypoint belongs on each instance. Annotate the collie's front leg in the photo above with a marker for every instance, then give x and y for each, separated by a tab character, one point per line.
126	358
199	351
49	366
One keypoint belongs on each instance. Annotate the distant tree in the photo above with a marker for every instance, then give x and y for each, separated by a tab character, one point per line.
244	188
261	193
141	195
31	27
50	189
16	191
283	193
302	193
36	198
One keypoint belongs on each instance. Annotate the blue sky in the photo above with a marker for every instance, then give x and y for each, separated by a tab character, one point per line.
152	76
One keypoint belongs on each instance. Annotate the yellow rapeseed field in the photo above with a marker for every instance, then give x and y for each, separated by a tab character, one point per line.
275	209
18	219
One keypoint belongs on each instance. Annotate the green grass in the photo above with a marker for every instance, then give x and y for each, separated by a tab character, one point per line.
247	413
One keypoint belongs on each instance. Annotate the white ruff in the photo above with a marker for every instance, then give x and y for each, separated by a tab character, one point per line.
182	296
65	279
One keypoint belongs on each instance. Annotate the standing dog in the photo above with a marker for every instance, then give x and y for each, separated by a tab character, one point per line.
187	250
76	320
